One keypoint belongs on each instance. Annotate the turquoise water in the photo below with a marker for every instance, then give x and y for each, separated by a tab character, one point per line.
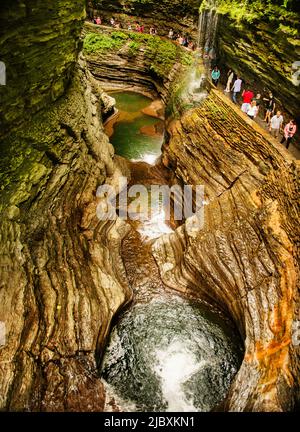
128	139
131	102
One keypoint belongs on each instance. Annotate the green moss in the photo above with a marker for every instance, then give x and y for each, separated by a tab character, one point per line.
134	47
287	30
259	10
118	35
101	42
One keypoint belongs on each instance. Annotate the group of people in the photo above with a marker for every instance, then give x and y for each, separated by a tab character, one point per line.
181	40
251	106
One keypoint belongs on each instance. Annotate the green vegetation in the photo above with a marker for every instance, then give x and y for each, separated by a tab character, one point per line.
280	11
101	42
161	53
134	47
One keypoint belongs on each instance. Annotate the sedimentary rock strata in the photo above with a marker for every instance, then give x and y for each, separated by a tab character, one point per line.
246	256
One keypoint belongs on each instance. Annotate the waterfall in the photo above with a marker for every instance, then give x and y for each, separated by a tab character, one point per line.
207	28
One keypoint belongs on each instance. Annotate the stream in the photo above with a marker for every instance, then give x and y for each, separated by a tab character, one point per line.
166	352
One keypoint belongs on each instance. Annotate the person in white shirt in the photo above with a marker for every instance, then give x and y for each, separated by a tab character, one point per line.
276	124
236	88
252	110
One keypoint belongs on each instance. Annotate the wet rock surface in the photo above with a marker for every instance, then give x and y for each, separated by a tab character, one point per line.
264	57
62	275
246	257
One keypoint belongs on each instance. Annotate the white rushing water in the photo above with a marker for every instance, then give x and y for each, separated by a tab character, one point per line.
207	28
176	365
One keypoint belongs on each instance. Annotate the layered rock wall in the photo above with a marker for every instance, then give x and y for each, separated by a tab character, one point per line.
246	256
264	58
62	278
39	43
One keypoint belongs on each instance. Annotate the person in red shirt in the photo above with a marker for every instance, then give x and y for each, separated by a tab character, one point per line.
247	96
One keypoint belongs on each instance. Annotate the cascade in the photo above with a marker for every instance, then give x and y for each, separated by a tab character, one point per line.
207	28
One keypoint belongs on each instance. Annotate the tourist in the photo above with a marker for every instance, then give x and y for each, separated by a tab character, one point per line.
252	110
206	51
112	21
191	46
270	105
171	34
94	20
137	27
151	31
230	75
288	133
276	124
257	99
180	40
236	88
98	21
215	75
247	97
129	27
142	28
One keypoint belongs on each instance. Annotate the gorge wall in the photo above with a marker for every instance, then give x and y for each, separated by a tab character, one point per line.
263	56
62	279
180	14
138	62
246	257
37	71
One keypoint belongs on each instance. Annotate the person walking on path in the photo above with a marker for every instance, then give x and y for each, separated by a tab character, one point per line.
288	133
236	88
276	124
270	105
247	96
257	99
252	111
230	76
215	75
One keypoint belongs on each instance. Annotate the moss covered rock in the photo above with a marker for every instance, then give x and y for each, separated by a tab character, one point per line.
39	42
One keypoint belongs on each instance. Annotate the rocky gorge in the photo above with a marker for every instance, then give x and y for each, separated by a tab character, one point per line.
65	277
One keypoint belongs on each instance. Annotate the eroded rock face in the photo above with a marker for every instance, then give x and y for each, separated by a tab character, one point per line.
126	70
246	257
182	15
264	57
62	276
39	42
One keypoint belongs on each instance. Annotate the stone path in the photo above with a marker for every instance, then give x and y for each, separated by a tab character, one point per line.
293	149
